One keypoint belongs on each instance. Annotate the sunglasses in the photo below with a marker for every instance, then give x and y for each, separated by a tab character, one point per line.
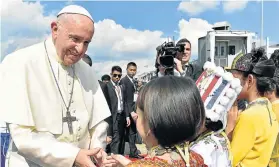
117	75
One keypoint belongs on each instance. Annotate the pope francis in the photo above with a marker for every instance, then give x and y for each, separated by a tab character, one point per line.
52	103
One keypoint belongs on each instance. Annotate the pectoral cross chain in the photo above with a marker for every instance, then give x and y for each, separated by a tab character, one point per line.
69	119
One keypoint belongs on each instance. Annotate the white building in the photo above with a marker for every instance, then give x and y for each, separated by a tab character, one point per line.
146	76
270	48
222	45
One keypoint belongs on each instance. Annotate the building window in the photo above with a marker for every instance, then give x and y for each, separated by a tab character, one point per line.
232	50
222	51
216	51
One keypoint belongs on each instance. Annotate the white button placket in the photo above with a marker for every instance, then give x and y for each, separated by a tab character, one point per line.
73	110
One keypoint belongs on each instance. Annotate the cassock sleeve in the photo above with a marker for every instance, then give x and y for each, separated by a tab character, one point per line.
99	135
42	148
98	126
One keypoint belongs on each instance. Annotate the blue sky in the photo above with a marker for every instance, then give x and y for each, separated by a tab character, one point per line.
130	31
164	15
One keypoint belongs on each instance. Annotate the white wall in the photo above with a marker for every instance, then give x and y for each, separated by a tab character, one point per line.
2	127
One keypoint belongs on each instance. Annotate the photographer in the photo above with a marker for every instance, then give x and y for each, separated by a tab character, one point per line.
174	60
183	66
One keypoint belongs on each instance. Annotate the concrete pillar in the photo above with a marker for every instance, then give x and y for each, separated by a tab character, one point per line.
212	45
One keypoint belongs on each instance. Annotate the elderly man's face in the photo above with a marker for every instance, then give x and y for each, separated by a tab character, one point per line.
72	35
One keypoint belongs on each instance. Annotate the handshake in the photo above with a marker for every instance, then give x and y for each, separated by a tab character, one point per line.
99	156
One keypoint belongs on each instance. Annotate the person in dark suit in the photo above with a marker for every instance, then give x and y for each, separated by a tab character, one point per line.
120	116
182	66
130	89
105	78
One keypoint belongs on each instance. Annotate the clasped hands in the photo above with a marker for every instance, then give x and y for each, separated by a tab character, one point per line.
83	159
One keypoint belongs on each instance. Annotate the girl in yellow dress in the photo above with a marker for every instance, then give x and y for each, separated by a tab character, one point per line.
273	96
256	129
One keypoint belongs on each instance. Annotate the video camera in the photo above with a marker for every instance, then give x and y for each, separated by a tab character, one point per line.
167	52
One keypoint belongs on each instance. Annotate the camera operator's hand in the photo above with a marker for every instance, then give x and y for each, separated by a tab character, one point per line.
178	66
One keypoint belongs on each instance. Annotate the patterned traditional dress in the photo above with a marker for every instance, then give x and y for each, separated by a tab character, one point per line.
195	161
209	150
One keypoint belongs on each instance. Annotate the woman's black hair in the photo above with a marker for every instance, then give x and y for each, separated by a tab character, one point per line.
173	108
265	84
275	57
276	82
257	64
258	55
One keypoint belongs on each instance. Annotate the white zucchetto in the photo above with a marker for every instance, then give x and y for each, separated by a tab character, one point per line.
75	9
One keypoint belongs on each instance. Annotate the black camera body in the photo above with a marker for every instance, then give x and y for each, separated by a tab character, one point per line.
167	52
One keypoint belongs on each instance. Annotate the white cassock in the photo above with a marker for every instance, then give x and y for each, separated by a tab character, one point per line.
31	104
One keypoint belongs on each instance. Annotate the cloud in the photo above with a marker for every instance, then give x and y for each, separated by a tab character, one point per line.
22	24
112	43
17	15
193	30
197	7
230	6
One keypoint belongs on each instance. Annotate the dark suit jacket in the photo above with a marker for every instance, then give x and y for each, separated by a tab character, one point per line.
194	71
114	100
128	93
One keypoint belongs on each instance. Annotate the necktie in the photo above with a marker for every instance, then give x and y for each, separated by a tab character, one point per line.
119	96
118	90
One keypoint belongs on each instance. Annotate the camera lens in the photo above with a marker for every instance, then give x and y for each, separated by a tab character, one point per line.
167	61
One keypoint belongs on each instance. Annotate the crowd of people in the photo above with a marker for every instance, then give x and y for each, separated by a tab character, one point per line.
59	114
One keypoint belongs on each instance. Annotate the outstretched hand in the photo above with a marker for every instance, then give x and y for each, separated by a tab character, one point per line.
103	160
116	161
83	158
122	161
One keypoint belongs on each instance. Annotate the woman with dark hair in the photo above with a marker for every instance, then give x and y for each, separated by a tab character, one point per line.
273	95
171	122
255	130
